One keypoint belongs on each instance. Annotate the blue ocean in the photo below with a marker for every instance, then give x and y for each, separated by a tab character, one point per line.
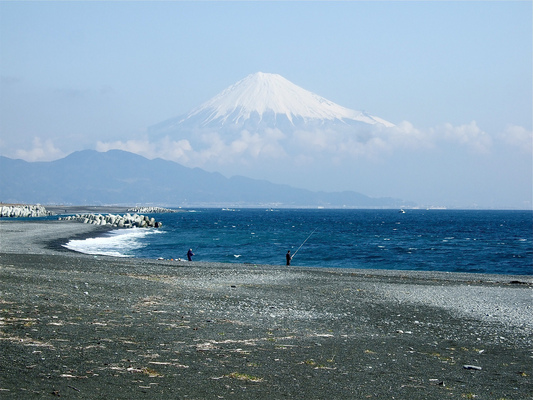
496	242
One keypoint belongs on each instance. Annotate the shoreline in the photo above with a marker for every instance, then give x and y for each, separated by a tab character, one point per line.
85	326
58	233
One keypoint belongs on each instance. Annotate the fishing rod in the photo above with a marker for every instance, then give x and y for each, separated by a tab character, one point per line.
304	242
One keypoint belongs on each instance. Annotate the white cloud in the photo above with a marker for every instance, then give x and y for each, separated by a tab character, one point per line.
520	137
405	135
41	151
369	142
262	145
247	148
244	149
469	135
166	149
134	146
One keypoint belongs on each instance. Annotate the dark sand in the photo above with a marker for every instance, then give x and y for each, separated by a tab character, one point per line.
85	327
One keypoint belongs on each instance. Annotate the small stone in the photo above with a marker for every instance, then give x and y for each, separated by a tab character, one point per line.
474	367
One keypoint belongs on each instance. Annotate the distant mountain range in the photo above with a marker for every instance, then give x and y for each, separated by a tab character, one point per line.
229	122
120	178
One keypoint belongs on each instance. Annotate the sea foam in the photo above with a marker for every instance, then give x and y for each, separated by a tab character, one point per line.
117	243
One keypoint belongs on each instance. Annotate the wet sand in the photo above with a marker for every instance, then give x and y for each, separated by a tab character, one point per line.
87	327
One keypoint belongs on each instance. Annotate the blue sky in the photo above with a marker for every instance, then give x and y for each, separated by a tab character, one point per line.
77	73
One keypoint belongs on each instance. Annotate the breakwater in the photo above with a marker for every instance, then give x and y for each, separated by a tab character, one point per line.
115	221
23	211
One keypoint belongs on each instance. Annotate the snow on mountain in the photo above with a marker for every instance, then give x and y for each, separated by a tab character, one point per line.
268	97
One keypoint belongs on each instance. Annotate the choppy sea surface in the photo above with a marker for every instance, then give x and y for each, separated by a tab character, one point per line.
499	242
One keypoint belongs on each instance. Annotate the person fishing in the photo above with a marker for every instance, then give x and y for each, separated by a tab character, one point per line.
190	254
288	256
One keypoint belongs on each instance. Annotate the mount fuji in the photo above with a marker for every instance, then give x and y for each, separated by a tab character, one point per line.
273	130
265	101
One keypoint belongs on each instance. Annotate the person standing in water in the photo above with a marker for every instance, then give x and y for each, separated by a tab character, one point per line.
190	254
288	257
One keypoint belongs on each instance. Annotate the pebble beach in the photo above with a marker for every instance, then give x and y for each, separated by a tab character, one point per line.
94	327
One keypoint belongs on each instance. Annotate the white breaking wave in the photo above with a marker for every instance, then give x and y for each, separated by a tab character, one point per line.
118	243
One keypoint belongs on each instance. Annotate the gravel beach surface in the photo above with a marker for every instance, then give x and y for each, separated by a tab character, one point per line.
86	327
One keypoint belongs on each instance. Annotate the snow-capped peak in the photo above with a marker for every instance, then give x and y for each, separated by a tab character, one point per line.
263	92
